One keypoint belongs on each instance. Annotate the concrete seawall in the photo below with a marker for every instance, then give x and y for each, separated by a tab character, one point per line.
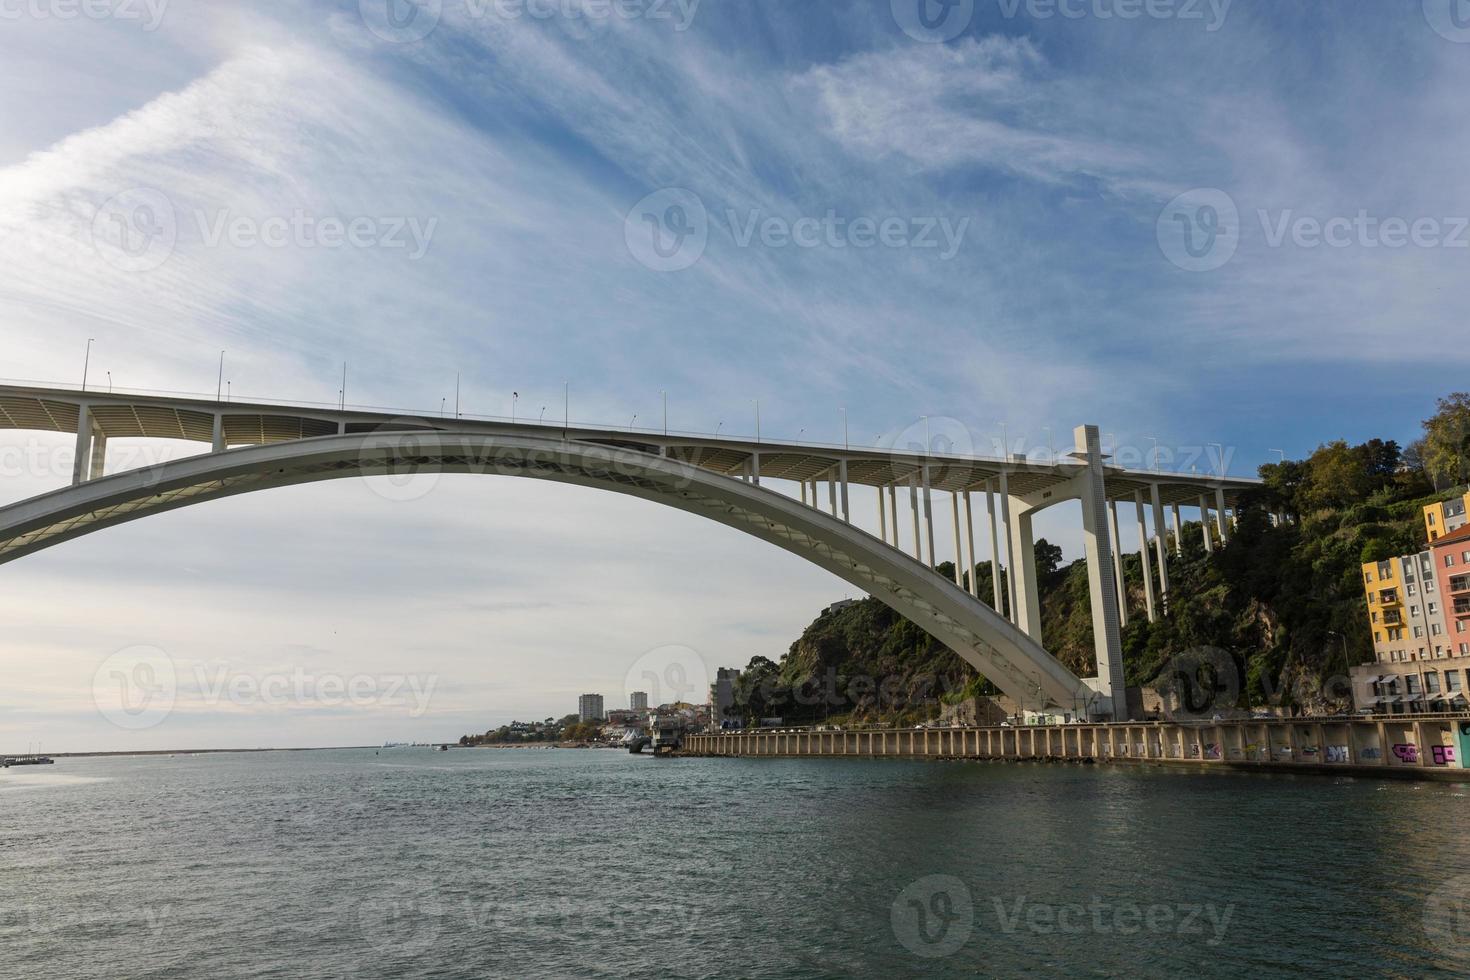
1417	747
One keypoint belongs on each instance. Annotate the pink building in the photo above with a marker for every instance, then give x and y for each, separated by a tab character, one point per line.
1452	567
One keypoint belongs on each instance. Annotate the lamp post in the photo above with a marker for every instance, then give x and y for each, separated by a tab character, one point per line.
86	361
1220	456
665	395
219	383
109	382
1154	452
515	396
845	445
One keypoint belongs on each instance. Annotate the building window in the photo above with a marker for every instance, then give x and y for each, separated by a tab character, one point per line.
1459	626
1452	679
1418	632
1434	628
1449	561
1431	682
1411	683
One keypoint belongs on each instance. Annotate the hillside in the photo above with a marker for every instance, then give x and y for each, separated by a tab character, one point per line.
1285	601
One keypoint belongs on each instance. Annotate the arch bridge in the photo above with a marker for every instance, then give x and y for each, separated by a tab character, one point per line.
257	446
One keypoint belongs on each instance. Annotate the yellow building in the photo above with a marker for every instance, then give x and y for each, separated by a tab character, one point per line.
1445	516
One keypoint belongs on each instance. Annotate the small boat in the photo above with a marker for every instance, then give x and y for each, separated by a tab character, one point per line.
28	760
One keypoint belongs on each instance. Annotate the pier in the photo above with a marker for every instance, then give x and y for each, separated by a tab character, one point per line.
1402	746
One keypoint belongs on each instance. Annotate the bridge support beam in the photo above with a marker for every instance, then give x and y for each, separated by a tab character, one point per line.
1000	605
1005	518
1204	523
1023	574
1148	571
842	476
970	562
81	465
893	512
928	515
1122	583
882	517
1178	534
217	440
1161	548
959	550
1220	517
914	509
1106	623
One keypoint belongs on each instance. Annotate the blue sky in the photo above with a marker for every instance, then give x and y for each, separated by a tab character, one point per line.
524	149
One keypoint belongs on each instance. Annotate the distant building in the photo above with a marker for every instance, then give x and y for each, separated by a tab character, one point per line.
1421	651
589	707
1445	517
638	701
839	604
722	694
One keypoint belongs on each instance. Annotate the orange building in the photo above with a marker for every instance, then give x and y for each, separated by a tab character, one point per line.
1445	516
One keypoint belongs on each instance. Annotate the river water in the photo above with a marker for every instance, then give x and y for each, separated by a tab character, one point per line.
567	863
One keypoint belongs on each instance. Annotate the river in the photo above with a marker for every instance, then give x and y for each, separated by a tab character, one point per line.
568	863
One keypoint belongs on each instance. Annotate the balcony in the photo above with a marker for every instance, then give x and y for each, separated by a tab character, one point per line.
1460	583
1462	607
1392	617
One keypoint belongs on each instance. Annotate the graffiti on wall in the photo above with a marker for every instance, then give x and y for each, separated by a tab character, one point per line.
1406	752
1338	753
1442	755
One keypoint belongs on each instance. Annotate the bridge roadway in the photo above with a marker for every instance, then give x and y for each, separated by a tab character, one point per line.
255	446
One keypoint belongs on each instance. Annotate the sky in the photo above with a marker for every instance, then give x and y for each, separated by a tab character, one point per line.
1190	223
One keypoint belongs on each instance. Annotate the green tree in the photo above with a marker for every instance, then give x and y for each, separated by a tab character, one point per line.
1446	446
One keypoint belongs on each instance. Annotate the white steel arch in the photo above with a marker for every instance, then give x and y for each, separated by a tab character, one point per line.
1014	661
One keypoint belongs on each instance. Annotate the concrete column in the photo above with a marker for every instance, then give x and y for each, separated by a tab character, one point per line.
1204	523
893	510
994	549
755	468
959	549
970	550
1106	636
1161	548
914	509
1178	533
98	462
842	476
882	516
1122	587
81	465
1220	518
1148	572
217	441
1023	576
928	515
802	484
831	493
1005	519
